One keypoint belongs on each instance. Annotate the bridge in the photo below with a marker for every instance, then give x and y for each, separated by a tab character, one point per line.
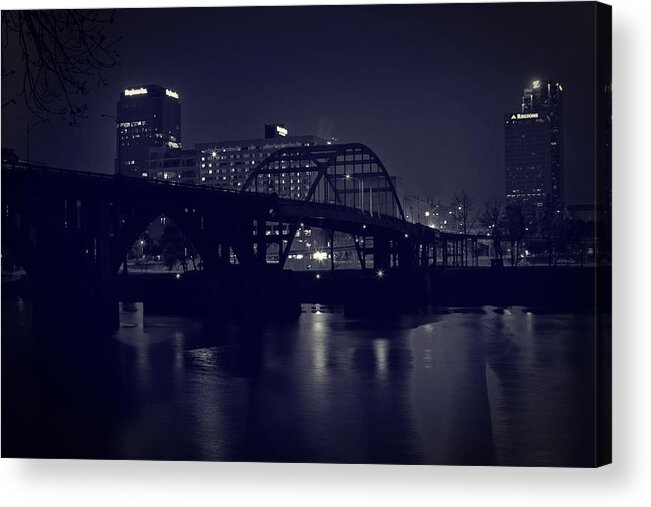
72	230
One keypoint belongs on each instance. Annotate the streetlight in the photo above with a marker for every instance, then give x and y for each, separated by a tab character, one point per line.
361	188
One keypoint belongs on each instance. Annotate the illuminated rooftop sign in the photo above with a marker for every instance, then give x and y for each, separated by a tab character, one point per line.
524	116
128	124
282	131
536	83
135	91
171	93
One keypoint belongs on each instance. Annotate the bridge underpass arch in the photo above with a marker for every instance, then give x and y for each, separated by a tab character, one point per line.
206	234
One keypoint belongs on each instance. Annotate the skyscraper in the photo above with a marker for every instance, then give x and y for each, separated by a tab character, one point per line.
147	116
534	148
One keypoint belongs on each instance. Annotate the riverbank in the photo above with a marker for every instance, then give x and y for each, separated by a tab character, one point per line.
270	291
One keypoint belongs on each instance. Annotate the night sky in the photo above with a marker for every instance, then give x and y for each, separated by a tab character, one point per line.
426	87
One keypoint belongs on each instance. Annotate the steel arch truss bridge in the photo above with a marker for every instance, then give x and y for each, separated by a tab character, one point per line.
72	230
346	176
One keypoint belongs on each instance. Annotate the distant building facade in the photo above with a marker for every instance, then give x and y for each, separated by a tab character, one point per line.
147	117
173	165
228	164
534	148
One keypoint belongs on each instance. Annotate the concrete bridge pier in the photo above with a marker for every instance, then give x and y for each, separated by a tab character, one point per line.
381	253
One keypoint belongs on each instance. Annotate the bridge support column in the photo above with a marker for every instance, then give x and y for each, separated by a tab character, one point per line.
106	288
75	285
424	255
224	253
434	253
381	253
261	241
405	254
332	250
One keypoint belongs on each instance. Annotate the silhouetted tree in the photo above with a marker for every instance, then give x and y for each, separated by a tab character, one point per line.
515	230
492	219
176	249
550	226
580	233
53	54
461	210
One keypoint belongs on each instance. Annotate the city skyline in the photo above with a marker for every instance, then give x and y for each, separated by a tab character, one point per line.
449	143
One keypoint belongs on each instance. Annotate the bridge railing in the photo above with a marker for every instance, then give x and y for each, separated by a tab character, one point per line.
387	219
43	169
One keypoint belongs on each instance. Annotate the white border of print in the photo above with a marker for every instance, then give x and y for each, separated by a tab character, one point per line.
626	482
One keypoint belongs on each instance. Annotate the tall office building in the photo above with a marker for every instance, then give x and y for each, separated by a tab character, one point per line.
534	148
147	117
228	164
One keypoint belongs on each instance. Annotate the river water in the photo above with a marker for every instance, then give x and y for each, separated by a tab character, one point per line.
483	386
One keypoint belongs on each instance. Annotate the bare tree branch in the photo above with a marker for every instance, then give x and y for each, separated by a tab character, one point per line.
60	51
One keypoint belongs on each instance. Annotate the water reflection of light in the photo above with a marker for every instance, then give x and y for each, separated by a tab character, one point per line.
319	353
428	359
529	324
178	350
318	345
203	358
381	353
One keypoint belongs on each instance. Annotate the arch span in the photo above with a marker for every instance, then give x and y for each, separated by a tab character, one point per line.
351	175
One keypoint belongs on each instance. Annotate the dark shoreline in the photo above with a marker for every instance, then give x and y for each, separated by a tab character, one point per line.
559	289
